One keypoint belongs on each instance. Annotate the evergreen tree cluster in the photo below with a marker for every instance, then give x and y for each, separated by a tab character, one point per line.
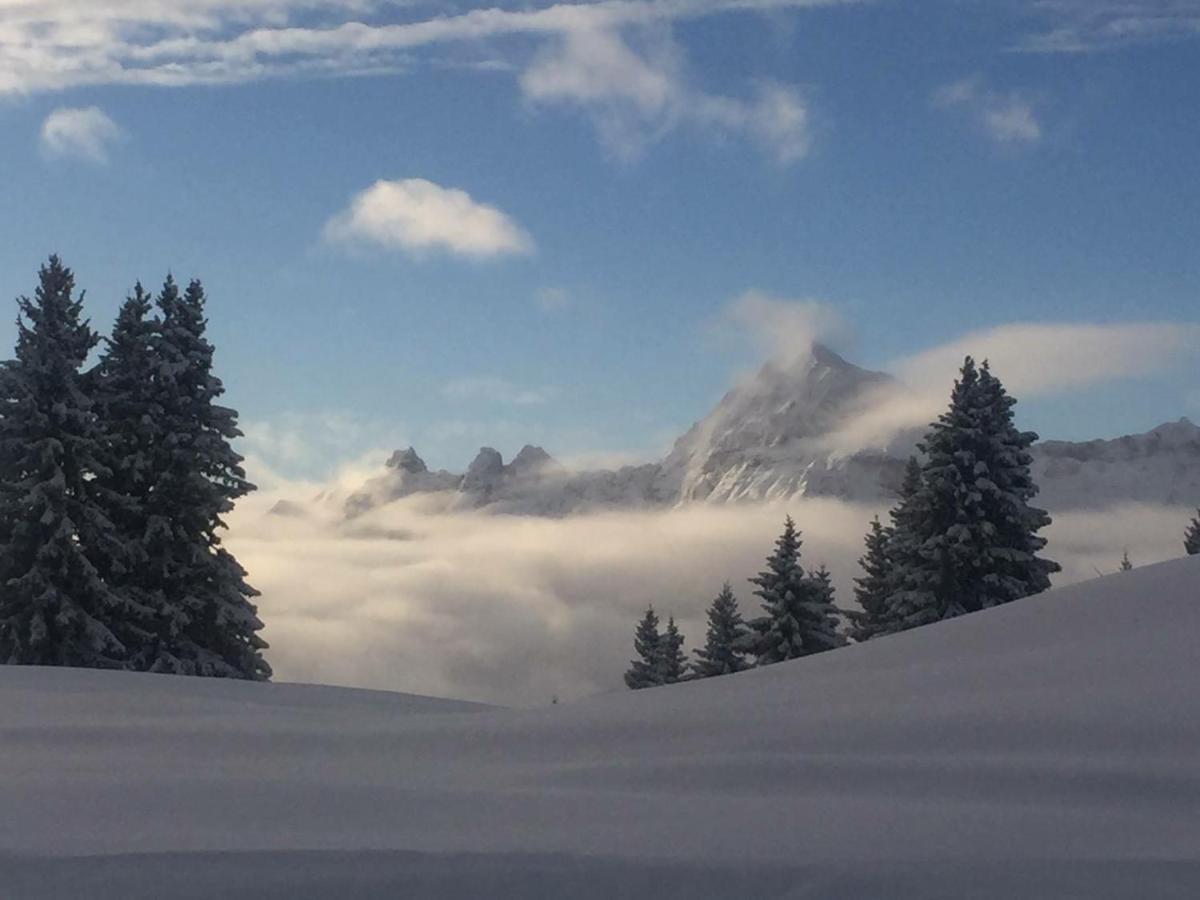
660	655
964	535
799	619
114	481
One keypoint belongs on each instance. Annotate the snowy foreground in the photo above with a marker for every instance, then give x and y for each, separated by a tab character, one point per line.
1048	748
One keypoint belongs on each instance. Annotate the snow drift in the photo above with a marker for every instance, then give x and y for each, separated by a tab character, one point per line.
1050	747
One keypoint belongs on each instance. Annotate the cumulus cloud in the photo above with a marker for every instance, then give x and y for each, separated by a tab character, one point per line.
418	217
615	59
497	390
1007	118
85	133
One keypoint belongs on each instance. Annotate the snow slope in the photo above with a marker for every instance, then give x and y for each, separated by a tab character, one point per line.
1047	748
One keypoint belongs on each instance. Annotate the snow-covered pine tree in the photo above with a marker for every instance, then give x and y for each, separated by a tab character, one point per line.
646	671
820	616
55	607
207	624
911	600
971	537
1012	569
782	587
1191	537
1126	565
800	617
723	652
672	661
871	588
126	386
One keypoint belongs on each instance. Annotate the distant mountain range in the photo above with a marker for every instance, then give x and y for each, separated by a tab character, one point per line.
790	431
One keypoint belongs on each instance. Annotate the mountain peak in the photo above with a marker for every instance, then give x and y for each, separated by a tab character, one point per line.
407	461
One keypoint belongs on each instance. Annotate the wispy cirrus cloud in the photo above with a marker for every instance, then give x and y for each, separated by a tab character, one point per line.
85	133
1084	26
616	60
418	217
492	389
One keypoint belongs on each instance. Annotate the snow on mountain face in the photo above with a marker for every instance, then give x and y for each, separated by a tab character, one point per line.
1160	466
781	434
768	437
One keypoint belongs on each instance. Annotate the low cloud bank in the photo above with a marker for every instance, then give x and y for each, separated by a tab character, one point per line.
516	610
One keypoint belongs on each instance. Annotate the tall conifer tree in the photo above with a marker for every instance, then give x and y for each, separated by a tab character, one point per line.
723	652
126	385
55	607
646	671
966	539
207	624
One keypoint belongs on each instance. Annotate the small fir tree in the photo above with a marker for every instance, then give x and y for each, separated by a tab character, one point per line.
871	588
55	606
821	617
646	670
723	652
1191	537
672	661
800	616
782	587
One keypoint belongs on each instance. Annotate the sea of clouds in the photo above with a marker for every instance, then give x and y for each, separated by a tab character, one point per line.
519	610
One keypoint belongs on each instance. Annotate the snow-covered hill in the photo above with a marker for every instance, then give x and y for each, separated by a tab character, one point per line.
789	432
1047	748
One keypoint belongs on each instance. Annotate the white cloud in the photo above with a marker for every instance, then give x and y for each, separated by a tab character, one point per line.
85	133
783	329
615	59
418	217
1007	118
1031	359
497	390
637	96
1057	357
513	609
315	443
1081	26
397	601
552	299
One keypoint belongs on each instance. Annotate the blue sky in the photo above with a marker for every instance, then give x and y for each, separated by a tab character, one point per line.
424	224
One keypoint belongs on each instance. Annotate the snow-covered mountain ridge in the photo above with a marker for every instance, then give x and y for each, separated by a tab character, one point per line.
790	431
